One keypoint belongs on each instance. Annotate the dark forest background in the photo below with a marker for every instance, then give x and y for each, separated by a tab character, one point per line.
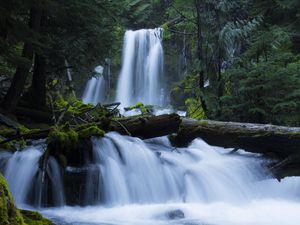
225	60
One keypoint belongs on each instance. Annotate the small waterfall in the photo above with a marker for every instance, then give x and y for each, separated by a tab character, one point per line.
94	92
28	183
134	182
142	68
133	171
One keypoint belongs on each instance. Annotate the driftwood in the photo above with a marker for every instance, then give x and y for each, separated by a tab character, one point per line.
277	141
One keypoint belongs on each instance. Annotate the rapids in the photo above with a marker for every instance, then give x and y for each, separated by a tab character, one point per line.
151	182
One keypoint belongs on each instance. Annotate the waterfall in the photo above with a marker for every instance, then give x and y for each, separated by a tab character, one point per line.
131	182
29	184
95	89
142	68
133	171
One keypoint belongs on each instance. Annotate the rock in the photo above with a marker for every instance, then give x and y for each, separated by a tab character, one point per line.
34	218
175	214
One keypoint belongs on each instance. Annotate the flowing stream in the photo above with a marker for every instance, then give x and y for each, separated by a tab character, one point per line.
151	182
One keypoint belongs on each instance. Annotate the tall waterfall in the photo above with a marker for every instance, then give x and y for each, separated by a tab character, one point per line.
151	182
142	68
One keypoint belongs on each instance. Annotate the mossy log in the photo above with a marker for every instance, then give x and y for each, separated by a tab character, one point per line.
275	141
147	126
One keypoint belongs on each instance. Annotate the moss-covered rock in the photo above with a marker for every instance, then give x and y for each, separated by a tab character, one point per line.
34	218
62	138
11	215
72	146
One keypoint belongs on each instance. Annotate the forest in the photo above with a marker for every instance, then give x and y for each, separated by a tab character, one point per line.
82	79
225	60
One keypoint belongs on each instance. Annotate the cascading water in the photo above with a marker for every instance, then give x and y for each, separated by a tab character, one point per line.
95	89
28	182
94	92
142	68
151	182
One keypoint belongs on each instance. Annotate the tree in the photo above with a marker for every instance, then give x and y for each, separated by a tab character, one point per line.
14	93
79	32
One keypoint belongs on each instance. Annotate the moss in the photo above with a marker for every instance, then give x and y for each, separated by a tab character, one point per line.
62	139
91	131
144	109
62	160
22	129
34	218
7	132
7	146
136	106
9	214
203	123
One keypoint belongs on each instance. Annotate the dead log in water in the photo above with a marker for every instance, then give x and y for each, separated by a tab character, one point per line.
147	126
268	139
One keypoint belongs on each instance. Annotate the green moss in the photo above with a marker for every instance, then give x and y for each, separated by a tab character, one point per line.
62	160
22	129
203	123
6	131
9	214
144	109
7	146
34	218
62	139
91	131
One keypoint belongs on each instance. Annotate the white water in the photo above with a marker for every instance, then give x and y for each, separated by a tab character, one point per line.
95	90
150	182
142	68
28	183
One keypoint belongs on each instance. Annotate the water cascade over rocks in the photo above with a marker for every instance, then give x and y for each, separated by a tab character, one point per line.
151	182
142	68
29	183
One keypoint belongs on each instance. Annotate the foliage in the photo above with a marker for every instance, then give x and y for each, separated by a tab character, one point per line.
264	92
247	67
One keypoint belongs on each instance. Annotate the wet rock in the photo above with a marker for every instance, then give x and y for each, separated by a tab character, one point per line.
175	214
78	190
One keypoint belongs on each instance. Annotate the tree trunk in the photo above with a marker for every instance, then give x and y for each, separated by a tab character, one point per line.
147	126
198	5
15	91
275	141
38	86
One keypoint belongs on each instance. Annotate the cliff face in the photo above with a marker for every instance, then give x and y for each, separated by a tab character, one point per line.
11	215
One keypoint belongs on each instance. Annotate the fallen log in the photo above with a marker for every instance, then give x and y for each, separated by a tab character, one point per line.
147	126
138	126
273	141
